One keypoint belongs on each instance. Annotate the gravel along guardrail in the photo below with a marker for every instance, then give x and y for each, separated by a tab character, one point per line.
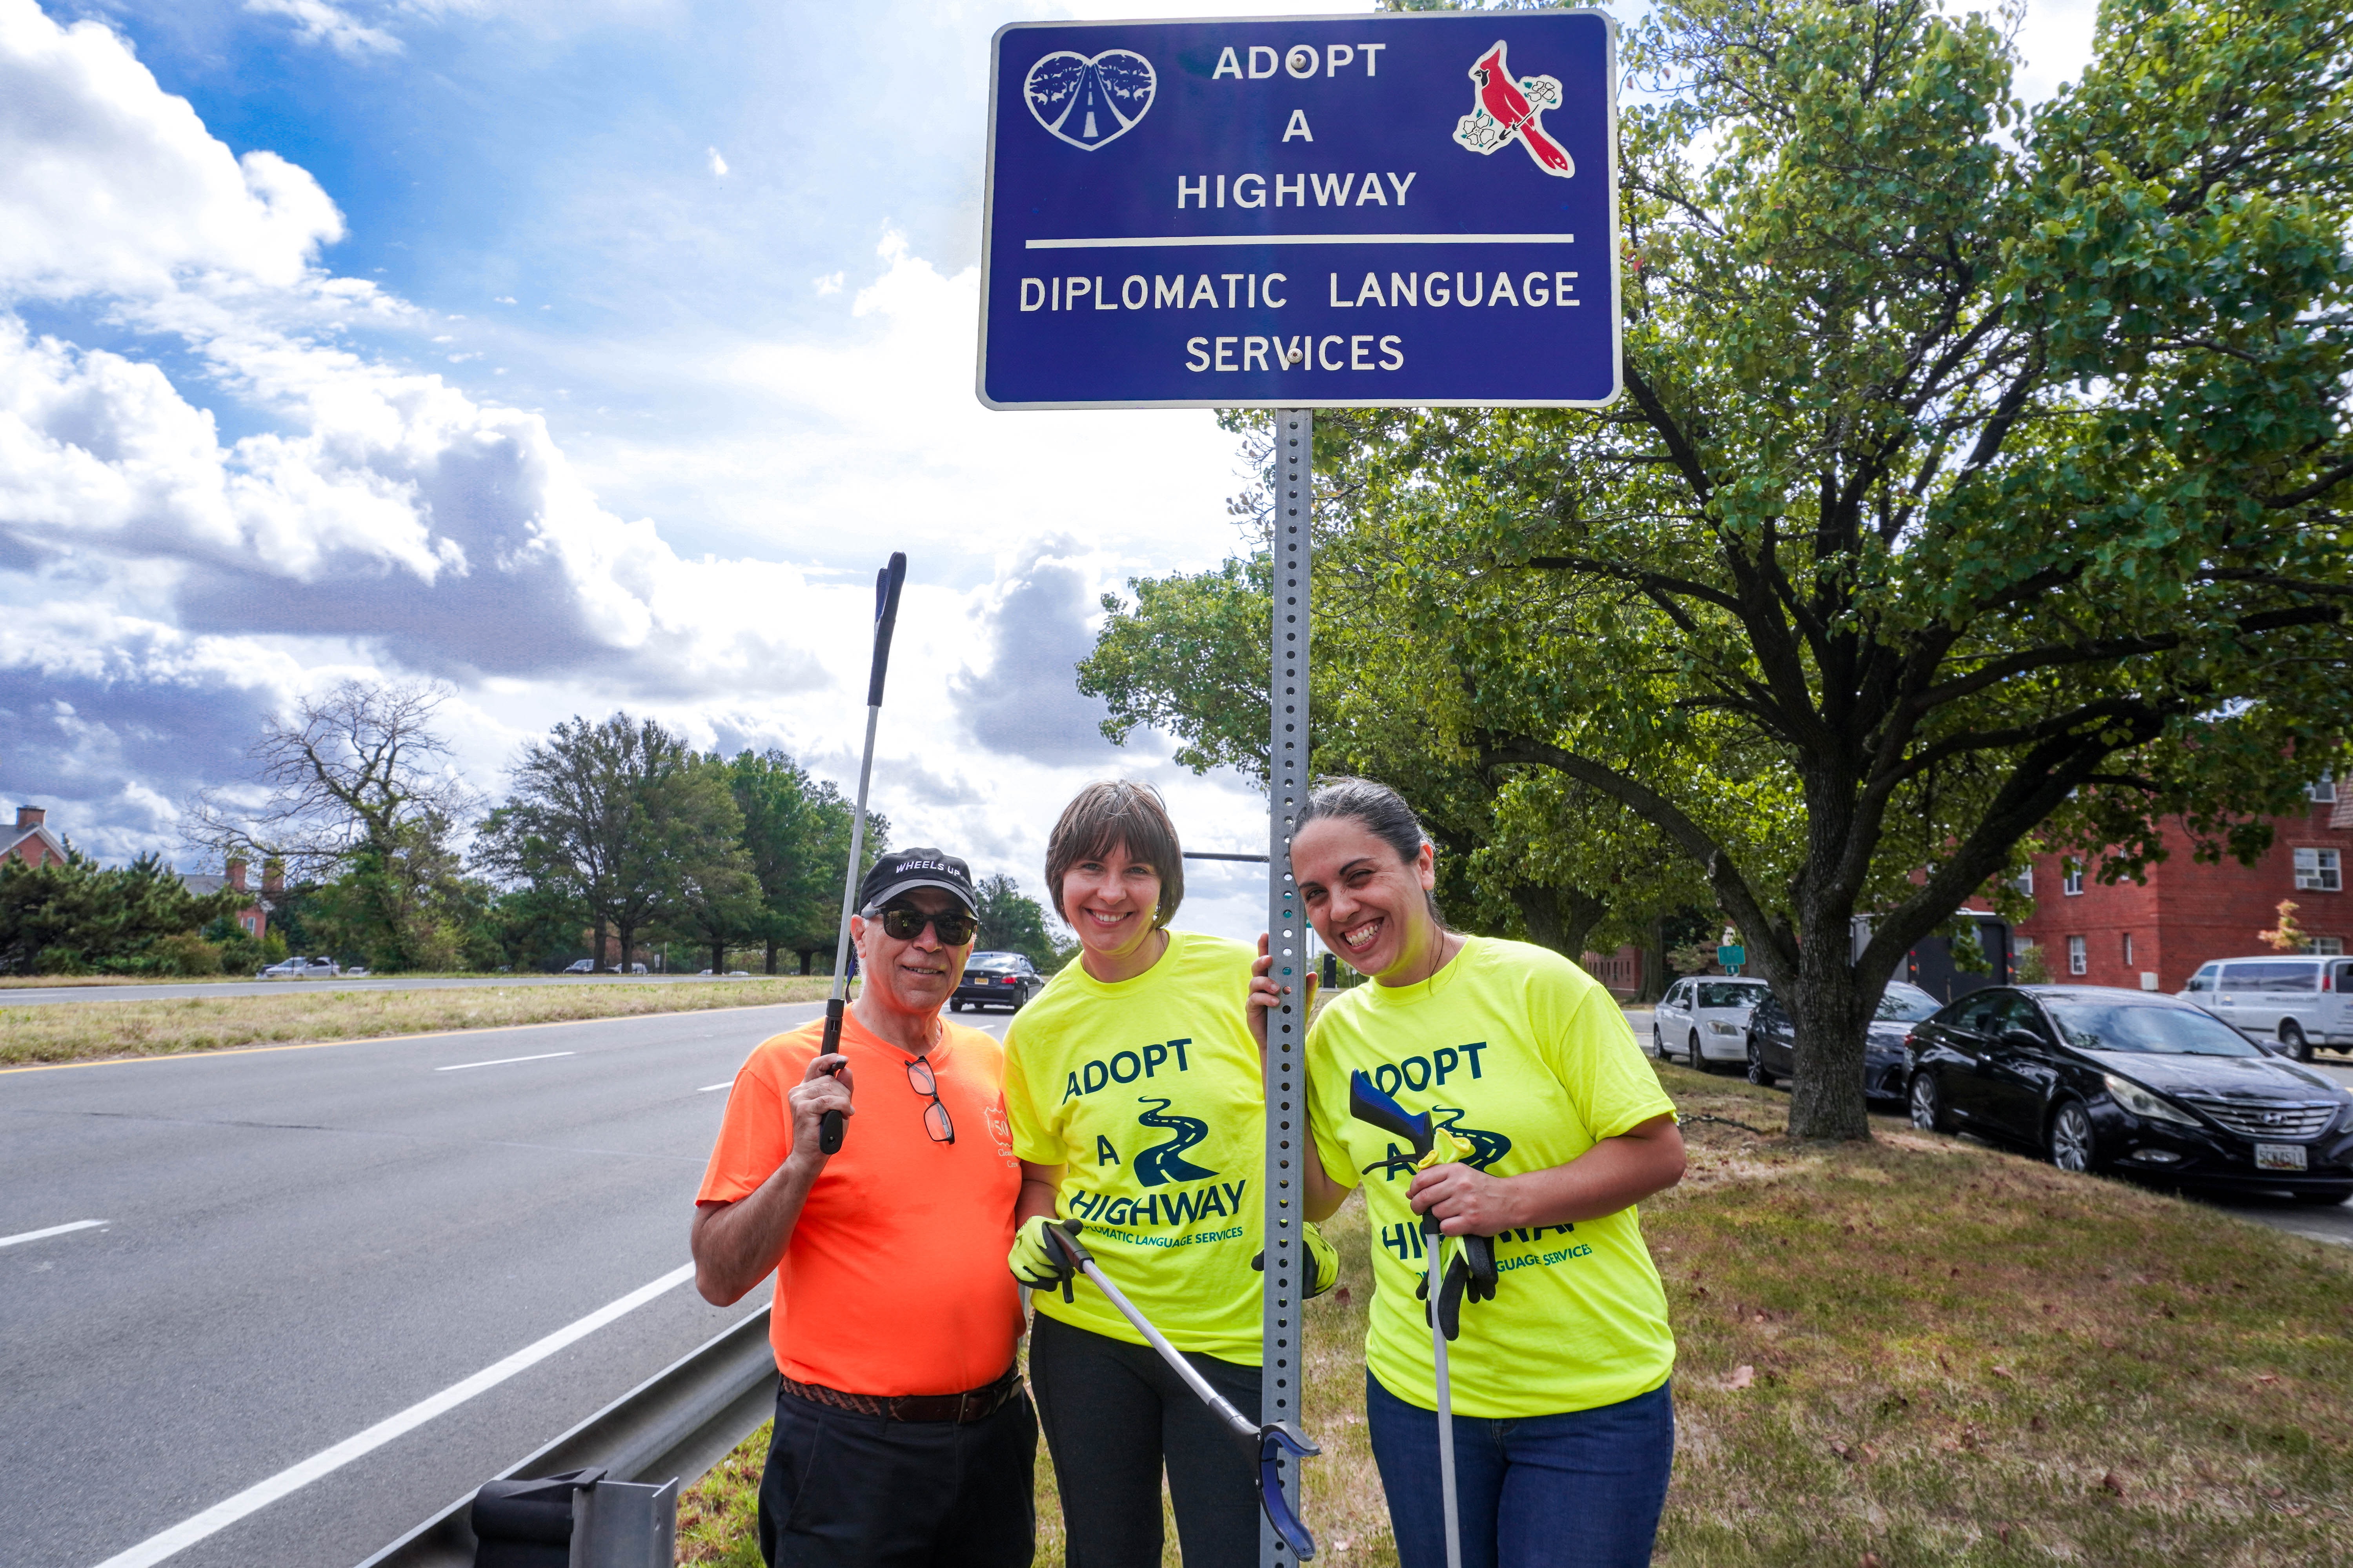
678	1422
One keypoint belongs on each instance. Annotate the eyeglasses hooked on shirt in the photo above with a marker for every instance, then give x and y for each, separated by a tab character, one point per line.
936	1120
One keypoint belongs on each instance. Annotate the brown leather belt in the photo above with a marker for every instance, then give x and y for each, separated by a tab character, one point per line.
972	1405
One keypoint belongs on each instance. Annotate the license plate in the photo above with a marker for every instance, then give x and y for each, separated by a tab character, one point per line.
2279	1157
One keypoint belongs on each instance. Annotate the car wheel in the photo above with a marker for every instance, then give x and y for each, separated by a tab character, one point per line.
2329	1195
955	1006
2070	1137
1928	1103
1691	1049
1658	1046
1757	1073
2292	1040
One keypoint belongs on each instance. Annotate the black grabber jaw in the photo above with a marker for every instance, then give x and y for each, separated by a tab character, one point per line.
1274	1443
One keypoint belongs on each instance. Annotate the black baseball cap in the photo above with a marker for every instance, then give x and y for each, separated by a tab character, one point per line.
903	869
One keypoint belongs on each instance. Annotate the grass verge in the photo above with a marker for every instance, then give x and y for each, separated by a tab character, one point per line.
92	1031
1917	1351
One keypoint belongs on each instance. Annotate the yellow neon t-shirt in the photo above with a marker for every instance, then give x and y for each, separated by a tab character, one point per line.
1147	1094
1524	1053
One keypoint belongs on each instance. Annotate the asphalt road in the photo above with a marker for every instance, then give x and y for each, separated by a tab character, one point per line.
35	996
301	1243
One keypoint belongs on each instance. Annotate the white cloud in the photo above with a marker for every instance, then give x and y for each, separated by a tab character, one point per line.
718	163
830	283
324	22
109	183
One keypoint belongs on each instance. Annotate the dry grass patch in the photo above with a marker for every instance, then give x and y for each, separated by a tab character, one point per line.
1919	1350
1925	1351
92	1031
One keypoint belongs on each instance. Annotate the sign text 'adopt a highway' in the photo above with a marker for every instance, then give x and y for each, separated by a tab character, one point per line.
1401	210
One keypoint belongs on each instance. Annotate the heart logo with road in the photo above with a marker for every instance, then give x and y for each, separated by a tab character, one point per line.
1090	104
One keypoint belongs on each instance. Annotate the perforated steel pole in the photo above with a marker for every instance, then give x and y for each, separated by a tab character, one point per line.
1286	1034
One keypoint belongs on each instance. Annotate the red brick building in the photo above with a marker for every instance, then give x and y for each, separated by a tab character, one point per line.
2154	934
31	842
254	919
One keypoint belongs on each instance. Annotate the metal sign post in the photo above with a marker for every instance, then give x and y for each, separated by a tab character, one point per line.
1290	214
1286	926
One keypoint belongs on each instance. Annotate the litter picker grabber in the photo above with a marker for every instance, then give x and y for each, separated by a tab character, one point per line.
886	619
1273	1442
1443	1287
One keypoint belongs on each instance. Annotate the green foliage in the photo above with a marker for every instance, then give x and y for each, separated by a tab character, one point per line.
1011	921
624	819
1543	860
796	829
1979	475
79	918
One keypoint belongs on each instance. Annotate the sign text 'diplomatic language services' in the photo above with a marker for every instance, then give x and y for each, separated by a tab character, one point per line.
1302	213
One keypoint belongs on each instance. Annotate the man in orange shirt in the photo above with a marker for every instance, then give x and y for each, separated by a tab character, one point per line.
903	1436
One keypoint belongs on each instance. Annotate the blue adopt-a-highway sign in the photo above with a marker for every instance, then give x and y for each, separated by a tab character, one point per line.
1302	213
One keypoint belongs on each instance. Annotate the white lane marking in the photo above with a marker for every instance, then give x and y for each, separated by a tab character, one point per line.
221	1515
502	1062
706	1089
53	1230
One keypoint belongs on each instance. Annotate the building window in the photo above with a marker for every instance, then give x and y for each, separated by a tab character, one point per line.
247	923
2329	946
2323	791
2319	871
2026	882
2073	882
2128	949
2078	961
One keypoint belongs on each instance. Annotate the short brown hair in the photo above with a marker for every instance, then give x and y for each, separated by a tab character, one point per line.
1111	812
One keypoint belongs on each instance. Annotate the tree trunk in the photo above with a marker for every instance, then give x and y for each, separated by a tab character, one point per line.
718	958
804	958
772	956
600	944
626	930
1559	918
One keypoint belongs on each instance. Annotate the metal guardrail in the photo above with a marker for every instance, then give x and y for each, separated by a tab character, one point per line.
679	1422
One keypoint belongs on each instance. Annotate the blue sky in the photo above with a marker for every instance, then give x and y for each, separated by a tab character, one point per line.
585	355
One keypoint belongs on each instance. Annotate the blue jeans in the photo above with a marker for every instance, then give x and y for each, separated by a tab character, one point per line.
1580	1490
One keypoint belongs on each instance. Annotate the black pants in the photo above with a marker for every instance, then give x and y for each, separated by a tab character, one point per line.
1113	1413
856	1492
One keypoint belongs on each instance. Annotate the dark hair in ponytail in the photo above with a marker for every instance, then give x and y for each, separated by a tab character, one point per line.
1381	810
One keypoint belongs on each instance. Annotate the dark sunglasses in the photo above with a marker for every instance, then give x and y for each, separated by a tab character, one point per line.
935	1115
904	924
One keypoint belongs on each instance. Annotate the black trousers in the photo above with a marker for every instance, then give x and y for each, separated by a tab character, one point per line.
843	1490
1114	1414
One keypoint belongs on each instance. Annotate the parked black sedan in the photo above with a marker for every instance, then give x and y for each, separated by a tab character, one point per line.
1773	1040
2098	1078
997	980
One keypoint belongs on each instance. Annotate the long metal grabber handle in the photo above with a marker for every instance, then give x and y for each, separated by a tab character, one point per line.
886	620
1271	1441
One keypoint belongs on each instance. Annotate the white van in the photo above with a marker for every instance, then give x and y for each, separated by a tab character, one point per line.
2302	1000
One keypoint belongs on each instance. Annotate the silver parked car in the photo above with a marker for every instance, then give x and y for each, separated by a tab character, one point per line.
2301	1000
1705	1018
301	968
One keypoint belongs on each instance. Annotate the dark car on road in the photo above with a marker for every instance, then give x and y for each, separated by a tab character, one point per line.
2102	1079
1773	1040
997	980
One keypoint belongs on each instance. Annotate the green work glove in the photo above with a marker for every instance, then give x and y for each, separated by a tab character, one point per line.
1035	1261
1321	1253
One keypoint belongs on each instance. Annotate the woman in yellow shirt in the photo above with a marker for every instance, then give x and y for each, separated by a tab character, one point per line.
1138	1108
1563	1428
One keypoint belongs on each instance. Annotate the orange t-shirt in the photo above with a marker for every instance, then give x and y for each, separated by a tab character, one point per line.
895	1281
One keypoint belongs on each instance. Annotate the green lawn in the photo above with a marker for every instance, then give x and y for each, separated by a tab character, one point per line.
1917	1351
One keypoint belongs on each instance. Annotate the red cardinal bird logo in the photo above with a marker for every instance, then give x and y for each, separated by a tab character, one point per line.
1503	110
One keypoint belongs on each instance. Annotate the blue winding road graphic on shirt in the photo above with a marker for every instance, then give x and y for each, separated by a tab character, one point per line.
1486	1147
1166	1163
